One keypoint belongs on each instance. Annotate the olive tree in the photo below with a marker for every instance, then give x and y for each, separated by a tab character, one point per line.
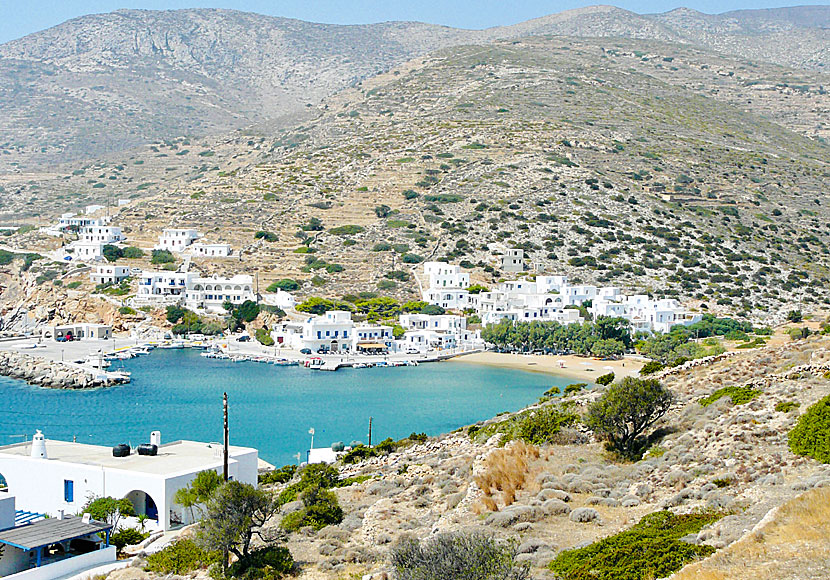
108	509
627	411
234	515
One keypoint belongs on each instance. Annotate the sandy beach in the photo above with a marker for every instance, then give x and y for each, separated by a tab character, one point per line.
580	368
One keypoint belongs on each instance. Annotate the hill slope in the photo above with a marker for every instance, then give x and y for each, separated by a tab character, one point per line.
105	83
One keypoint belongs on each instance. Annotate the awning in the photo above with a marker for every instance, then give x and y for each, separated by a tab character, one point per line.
50	531
371	345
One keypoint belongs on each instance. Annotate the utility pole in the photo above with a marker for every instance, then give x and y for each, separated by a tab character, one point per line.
225	451
370	431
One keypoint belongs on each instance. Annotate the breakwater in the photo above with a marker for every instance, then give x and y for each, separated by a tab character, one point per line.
42	372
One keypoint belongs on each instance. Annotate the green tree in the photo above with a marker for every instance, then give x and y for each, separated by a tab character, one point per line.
382	211
627	411
162	257
112	253
477	289
199	491
286	284
132	252
108	509
235	514
794	316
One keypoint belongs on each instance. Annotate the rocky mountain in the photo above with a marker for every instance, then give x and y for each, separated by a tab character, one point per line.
104	83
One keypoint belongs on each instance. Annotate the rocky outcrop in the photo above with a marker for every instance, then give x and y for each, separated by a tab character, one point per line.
52	374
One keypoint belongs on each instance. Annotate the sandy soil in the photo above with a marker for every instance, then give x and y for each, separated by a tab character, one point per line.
574	367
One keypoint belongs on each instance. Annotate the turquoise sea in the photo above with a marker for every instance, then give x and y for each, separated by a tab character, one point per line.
271	408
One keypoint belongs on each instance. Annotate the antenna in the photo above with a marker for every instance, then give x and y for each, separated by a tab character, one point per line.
225	450
311	432
370	431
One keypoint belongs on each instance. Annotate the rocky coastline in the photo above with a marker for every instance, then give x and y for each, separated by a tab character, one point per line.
42	372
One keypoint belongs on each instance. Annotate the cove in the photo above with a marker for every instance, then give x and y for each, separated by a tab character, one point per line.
271	408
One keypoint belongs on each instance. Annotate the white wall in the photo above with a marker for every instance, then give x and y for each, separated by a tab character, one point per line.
67	567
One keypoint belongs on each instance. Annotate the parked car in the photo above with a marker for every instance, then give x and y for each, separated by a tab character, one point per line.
244	338
412	351
305	350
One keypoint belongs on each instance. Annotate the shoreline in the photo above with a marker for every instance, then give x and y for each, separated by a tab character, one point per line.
584	369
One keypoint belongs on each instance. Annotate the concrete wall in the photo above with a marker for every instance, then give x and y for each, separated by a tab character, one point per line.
66	567
6	510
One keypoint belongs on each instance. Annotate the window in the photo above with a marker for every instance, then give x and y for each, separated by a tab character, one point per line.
68	490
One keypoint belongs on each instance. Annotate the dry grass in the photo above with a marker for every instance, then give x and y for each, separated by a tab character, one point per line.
506	471
794	544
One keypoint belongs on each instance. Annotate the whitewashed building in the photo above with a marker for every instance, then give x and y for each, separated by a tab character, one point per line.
78	331
54	477
177	240
646	314
211	293
210	250
163	288
513	260
87	251
109	274
280	299
331	332
427	332
101	234
372	339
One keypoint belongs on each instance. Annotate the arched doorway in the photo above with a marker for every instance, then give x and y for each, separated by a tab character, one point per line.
143	504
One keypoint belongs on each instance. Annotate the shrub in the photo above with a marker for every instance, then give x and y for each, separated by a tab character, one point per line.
444	198
457	556
382	210
410	194
162	257
127	537
787	406
282	475
267	236
286	284
626	412
651	549
270	563
605	379
536	426
794	316
126	311
264	337
574	388
811	435
112	253
400	275
181	557
133	253
382	247
412	259
320	509
651	367
348	230
477	289
739	395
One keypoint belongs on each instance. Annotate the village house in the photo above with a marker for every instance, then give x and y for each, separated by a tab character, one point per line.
210	294
87	251
78	331
210	250
162	288
645	313
372	339
176	240
513	261
109	274
53	477
426	332
33	547
102	234
331	332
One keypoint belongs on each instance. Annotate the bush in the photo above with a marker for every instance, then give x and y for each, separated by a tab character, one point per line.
286	284
127	537
267	236
410	194
412	259
574	388
348	230
605	379
626	412
536	426
264	337
320	509
739	395
282	475
811	435
787	406
162	257
181	557
400	275
383	210
264	564
132	253
126	311
112	253
457	556
651	549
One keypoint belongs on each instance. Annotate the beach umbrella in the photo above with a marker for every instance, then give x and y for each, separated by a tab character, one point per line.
608	368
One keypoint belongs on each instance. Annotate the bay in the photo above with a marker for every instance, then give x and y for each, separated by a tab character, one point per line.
271	408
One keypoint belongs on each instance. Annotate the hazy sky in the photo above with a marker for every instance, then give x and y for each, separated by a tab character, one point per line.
21	17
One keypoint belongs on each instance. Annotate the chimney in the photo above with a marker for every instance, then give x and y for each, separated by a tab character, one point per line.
155	438
39	445
60	515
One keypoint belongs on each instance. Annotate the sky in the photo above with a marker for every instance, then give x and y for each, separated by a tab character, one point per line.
21	17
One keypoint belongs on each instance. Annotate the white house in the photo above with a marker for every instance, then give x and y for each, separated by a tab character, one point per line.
332	332
280	299
176	240
53	477
447	285
163	288
372	339
449	298
109	274
645	313
93	209
88	251
426	332
513	260
102	234
210	250
79	331
33	547
211	293
73	221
